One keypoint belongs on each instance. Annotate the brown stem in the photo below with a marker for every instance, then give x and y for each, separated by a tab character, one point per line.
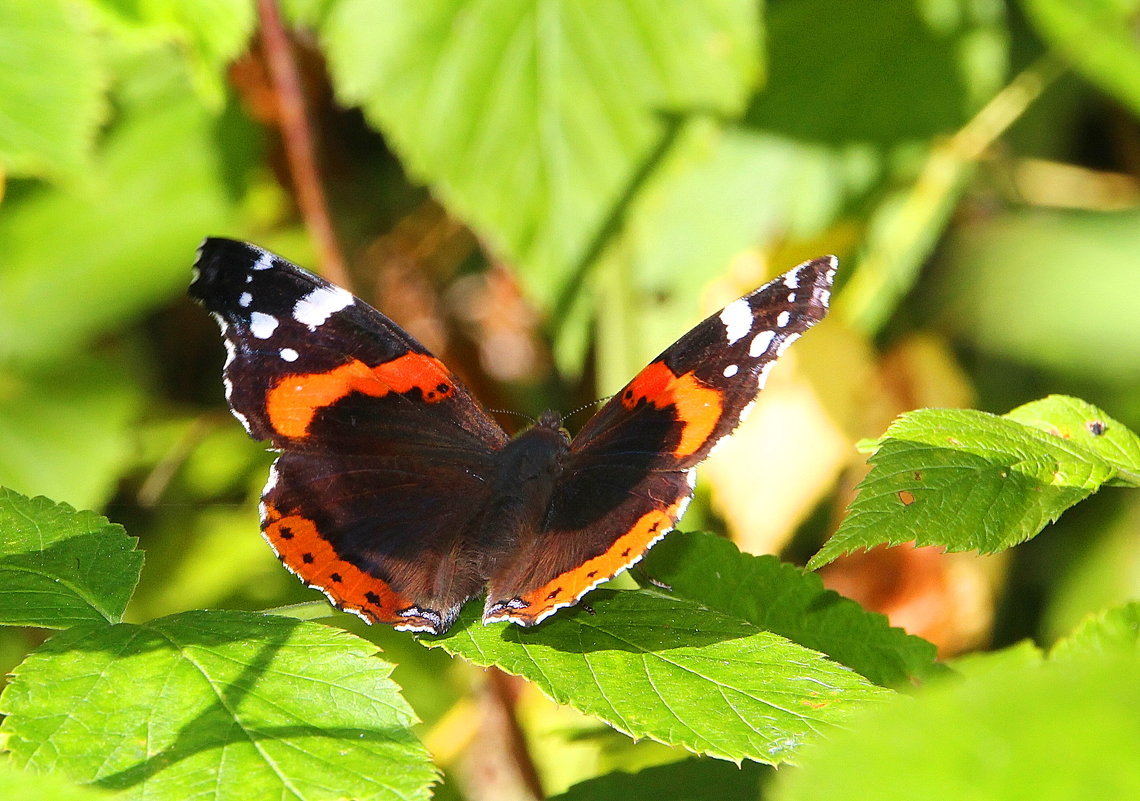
297	135
504	689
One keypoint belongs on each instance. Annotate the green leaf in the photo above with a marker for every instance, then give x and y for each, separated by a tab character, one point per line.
673	671
1098	38
1063	731
964	480
687	780
216	705
44	406
60	567
1006	287
19	785
51	87
1020	656
1083	424
954	52
532	119
782	599
158	184
211	34
1114	632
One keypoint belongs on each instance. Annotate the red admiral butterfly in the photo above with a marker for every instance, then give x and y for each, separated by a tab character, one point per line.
400	498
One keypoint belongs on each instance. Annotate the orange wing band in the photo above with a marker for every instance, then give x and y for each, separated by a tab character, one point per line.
627	550
295	400
699	408
300	547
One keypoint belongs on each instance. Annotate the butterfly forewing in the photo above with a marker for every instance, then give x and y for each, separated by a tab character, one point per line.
299	347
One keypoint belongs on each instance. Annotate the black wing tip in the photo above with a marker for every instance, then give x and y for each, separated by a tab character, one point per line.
825	266
217	263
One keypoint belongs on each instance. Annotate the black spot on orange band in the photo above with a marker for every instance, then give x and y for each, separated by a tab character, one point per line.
294	401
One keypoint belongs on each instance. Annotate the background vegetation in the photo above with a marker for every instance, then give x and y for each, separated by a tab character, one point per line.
547	193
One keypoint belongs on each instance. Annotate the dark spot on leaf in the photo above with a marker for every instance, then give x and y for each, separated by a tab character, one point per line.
1096	427
907	498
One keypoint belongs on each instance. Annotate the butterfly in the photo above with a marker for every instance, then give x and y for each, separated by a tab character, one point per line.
397	495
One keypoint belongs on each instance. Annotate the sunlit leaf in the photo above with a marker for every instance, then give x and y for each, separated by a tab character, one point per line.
210	33
216	705
965	480
531	119
1097	37
19	785
1077	421
59	567
782	599
85	260
674	671
1114	632
51	87
1048	734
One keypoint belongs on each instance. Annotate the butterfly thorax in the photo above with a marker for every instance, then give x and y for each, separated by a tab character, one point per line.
529	464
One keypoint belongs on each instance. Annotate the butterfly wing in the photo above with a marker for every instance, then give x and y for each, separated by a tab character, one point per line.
386	457
630	471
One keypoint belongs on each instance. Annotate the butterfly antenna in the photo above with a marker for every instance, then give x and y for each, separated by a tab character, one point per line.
527	417
584	407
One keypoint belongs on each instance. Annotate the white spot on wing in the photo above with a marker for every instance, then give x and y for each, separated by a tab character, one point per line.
289	355
320	304
244	299
262	325
737	319
760	343
730	371
264	261
792	279
783	318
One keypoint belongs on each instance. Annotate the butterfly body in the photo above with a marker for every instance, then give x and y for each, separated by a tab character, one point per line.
400	498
